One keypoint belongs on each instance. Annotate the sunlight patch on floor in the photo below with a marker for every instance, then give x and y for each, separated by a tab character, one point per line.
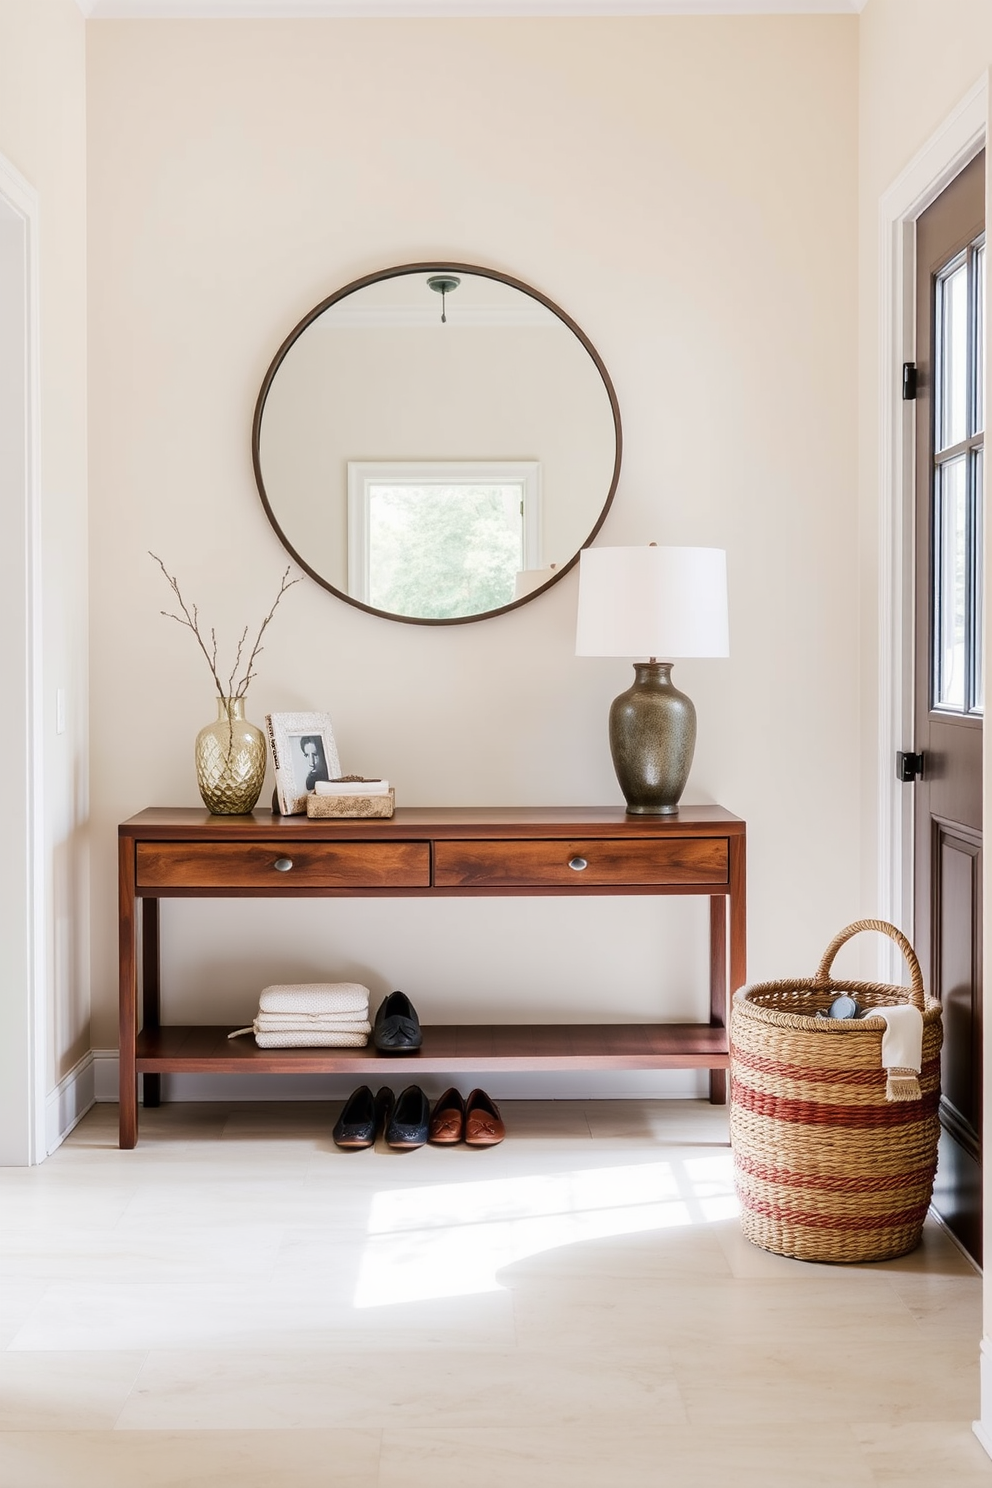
451	1240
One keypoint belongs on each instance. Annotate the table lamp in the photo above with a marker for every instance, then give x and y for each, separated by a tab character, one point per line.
653	602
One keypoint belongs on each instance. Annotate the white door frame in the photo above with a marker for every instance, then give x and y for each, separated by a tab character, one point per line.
23	1047
945	154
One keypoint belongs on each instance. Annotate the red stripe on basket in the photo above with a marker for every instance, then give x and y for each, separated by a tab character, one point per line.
833	1182
816	1113
747	1059
783	1215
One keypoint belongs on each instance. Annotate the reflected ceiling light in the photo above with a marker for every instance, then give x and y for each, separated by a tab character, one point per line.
443	284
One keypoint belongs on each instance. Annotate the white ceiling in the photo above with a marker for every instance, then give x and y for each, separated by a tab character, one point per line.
286	9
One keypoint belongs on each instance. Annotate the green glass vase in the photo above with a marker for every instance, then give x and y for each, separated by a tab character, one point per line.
230	760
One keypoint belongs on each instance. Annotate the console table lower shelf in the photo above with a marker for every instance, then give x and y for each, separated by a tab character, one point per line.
201	1049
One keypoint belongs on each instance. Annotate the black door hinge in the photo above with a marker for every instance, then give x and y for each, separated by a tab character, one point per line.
908	382
908	766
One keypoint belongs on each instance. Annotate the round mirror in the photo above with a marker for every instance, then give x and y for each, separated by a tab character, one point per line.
435	443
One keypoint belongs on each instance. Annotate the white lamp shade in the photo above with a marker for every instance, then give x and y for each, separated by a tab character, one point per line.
649	601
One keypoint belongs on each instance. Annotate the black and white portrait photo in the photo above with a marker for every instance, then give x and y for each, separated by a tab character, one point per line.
309	762
303	752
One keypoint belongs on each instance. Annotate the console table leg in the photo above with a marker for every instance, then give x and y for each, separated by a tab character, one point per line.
128	994
151	1085
737	911
738	914
718	988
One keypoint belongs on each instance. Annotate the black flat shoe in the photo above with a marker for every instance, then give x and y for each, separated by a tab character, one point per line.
384	1103
397	1027
409	1119
356	1126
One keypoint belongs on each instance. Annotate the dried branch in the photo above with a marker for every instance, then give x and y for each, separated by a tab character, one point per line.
190	619
257	649
191	622
237	662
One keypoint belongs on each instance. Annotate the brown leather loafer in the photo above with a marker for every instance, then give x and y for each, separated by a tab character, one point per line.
483	1123
448	1120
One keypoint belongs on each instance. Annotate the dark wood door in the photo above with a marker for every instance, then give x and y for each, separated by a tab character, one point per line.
950	252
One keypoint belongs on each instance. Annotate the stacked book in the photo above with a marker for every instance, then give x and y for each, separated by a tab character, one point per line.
317	1015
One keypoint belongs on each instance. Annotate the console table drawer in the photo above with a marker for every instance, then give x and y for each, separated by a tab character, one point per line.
571	863
255	865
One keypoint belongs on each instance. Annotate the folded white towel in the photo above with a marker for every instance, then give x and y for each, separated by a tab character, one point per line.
287	1039
315	1022
328	1021
316	997
902	1050
306	1038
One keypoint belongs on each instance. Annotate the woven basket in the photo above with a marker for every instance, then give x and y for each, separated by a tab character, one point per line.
827	1168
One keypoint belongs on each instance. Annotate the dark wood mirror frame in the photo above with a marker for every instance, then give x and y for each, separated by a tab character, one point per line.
435	266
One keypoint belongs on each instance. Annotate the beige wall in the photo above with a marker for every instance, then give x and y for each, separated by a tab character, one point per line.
686	190
43	134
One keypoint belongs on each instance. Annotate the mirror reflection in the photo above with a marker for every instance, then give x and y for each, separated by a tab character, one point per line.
436	443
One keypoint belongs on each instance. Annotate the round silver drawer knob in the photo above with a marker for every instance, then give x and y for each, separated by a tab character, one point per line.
283	865
578	864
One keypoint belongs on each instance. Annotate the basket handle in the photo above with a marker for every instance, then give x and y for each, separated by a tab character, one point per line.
914	992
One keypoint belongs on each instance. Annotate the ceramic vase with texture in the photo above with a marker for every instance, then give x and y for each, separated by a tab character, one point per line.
230	760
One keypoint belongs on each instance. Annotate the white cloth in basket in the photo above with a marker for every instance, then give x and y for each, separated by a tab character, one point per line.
316	997
902	1050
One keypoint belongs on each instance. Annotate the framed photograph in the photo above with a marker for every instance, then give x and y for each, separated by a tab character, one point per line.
303	752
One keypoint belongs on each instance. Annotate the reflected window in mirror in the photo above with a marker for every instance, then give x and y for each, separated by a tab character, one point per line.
373	376
441	541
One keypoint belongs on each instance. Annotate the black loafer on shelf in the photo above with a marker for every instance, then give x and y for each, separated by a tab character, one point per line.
409	1120
356	1126
397	1027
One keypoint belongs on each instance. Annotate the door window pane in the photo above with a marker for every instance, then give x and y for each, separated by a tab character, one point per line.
952	356
978	684
980	338
950	584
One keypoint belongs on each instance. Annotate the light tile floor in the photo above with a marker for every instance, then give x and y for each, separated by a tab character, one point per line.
236	1302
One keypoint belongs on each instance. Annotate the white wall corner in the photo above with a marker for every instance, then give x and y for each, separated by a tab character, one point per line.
983	1427
68	1103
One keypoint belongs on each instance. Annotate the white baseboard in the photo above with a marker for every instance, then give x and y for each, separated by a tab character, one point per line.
580	1085
68	1103
983	1427
106	1074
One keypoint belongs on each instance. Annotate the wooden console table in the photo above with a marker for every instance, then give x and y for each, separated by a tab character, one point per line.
499	852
